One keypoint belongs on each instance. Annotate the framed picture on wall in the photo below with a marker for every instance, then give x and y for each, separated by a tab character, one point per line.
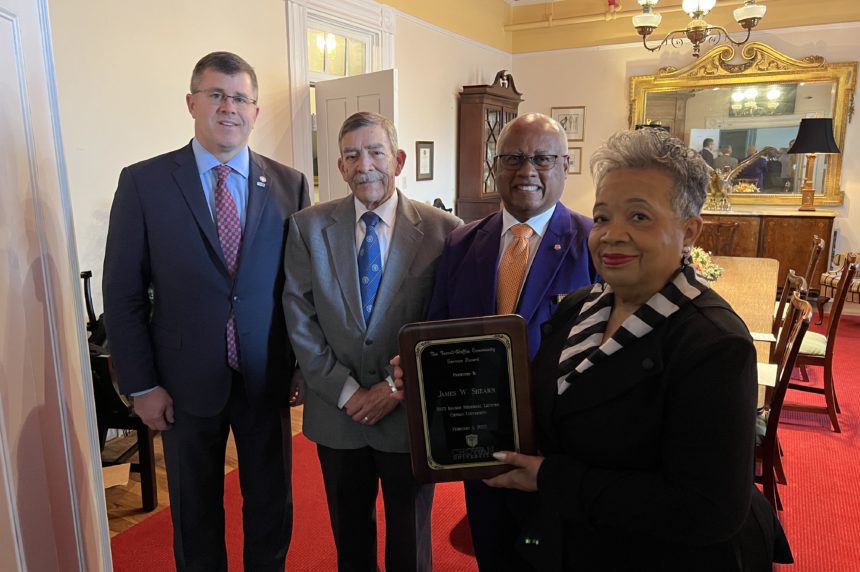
572	119
575	166
424	160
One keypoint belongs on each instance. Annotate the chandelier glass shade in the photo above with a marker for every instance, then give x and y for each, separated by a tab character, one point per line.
697	30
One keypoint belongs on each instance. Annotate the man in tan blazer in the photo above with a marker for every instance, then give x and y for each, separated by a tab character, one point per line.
343	315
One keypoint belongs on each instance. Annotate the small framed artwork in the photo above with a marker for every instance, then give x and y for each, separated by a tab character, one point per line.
572	119
575	166
424	160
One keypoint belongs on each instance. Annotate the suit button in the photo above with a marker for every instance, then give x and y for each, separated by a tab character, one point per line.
368	342
647	363
235	298
371	372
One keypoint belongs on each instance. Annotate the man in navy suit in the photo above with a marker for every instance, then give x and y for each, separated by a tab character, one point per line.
530	169
192	285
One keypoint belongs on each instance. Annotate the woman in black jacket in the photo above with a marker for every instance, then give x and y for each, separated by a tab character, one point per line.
645	392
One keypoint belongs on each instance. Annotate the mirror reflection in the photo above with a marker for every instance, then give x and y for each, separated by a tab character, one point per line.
729	123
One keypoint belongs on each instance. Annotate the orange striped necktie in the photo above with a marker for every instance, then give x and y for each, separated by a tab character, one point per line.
512	269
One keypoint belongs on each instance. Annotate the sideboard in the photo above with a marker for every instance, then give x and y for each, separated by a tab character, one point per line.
783	235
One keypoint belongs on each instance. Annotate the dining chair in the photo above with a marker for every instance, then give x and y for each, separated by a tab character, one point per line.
814	255
817	350
793	283
113	410
767	450
718	238
830	281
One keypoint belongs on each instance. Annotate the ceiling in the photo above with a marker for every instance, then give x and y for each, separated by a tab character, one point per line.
578	23
524	26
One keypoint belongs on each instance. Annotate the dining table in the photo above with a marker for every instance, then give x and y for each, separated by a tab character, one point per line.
749	286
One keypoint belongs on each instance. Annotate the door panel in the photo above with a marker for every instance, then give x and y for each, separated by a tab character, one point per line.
52	510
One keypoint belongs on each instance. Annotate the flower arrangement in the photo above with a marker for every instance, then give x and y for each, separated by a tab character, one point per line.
704	265
745	188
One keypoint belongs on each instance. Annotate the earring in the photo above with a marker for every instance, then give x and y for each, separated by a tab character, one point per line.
686	257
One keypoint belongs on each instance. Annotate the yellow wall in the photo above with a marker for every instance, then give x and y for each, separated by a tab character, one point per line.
481	20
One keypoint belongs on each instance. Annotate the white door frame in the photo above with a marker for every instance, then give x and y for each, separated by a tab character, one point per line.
366	14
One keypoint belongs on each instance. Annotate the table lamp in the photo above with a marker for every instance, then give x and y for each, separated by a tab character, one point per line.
814	136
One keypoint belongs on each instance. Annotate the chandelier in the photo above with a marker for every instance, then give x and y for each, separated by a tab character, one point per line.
697	31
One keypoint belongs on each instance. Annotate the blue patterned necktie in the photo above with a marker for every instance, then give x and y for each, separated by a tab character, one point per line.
369	264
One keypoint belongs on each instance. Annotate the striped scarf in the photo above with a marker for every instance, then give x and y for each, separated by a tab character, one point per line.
583	348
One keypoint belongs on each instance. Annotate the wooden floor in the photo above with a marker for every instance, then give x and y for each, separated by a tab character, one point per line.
123	502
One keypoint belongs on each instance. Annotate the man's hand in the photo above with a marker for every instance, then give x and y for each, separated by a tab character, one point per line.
370	406
155	408
297	388
397	372
523	477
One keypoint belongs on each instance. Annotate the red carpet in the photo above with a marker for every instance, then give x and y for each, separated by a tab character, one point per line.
147	547
822	497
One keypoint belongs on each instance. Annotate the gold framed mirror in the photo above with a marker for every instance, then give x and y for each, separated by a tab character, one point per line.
756	99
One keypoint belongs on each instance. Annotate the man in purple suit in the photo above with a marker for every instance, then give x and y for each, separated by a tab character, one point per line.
530	169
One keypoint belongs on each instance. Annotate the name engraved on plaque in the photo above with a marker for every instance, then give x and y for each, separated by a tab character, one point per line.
469	405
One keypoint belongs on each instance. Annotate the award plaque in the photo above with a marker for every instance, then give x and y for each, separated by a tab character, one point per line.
467	395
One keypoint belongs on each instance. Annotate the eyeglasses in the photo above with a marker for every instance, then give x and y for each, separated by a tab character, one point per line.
541	162
216	97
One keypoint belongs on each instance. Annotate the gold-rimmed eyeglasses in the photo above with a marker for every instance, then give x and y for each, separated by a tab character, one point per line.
540	162
217	97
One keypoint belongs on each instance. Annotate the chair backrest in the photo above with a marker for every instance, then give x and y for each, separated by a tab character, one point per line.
849	271
795	326
718	238
814	255
793	283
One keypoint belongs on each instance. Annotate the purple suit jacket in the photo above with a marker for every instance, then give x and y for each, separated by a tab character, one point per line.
467	271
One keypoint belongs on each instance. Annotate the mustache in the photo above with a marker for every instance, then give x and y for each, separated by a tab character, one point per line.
372	177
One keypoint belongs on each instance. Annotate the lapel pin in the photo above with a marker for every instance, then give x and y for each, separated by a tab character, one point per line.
556	246
262	181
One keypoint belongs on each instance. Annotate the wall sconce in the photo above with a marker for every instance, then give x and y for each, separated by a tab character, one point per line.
814	136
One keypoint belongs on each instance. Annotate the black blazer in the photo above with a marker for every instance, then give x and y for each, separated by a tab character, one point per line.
162	235
649	454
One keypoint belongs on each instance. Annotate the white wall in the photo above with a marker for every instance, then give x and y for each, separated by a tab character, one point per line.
433	65
598	78
122	74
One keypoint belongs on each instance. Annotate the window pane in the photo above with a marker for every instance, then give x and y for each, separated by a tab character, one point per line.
355	54
335	63
316	50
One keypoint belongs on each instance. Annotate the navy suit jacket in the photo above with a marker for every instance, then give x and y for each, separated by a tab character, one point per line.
162	236
467	273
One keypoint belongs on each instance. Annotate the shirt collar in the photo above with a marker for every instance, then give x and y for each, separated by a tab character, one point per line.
537	222
206	161
386	211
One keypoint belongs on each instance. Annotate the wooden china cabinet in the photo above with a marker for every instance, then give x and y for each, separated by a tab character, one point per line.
484	110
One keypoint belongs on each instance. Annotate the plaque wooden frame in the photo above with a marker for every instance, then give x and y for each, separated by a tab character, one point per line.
483	334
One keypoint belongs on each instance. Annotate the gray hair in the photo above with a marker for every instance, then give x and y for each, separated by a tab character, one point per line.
650	148
363	119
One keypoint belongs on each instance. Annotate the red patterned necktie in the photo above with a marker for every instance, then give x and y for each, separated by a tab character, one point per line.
230	236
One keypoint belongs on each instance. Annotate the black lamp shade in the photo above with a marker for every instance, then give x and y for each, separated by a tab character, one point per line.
815	136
